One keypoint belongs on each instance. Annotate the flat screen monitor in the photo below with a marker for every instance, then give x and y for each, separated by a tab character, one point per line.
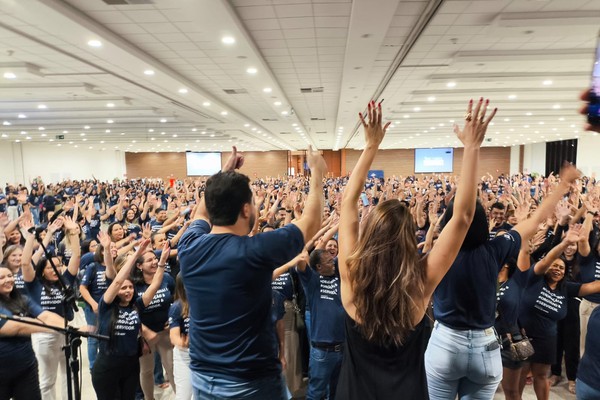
202	164
433	160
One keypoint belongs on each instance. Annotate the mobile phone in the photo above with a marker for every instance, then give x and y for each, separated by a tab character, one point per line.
364	199
594	106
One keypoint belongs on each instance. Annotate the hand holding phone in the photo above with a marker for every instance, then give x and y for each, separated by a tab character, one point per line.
364	199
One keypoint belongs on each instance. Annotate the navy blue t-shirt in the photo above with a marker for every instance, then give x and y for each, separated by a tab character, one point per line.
94	227
589	270
541	307
16	353
232	334
589	366
466	296
325	305
156	314
125	331
95	280
50	299
177	320
283	284
20	282
508	298
278	307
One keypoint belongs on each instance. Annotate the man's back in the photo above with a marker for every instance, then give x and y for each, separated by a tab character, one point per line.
228	283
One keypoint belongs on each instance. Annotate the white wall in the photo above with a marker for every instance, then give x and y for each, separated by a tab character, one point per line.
24	161
534	158
514	159
588	154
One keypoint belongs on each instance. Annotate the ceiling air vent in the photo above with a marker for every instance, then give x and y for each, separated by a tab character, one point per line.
127	2
318	89
321	132
317	119
270	119
235	91
285	133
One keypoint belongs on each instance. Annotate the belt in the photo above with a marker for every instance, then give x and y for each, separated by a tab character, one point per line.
337	347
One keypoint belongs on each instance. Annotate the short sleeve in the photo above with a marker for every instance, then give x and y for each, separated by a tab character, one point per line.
277	247
34	309
573	288
89	275
196	229
175	319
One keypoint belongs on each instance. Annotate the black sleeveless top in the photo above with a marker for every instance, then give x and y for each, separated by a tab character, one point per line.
373	372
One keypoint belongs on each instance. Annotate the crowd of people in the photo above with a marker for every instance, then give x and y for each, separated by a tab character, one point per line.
353	287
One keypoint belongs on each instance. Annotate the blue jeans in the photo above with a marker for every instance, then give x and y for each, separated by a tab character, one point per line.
91	319
457	362
323	371
212	388
585	391
35	213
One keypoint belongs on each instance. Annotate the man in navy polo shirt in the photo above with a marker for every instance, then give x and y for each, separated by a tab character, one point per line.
327	334
227	276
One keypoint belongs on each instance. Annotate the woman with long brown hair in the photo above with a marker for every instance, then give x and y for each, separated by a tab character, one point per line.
386	285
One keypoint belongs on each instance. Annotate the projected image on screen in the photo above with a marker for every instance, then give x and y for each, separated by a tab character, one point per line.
202	164
433	160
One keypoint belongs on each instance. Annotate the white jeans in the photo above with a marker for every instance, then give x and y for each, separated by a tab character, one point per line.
585	310
51	359
182	373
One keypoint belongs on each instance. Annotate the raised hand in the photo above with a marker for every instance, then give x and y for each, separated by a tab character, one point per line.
69	223
104	239
235	161
374	131
316	162
475	124
164	255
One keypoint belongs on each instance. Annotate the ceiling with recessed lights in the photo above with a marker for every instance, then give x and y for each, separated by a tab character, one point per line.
165	75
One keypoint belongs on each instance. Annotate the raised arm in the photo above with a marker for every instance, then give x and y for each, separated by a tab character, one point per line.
310	222
124	273
349	222
572	236
73	244
158	275
442	255
527	228
584	242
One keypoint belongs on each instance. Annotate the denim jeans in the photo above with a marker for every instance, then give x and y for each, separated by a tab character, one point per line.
92	343
457	362
585	391
35	213
182	373
212	388
323	371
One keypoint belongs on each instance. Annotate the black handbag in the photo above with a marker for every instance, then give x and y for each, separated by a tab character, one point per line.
521	350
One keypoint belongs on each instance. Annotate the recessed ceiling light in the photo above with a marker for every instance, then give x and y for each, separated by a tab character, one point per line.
152	138
162	133
10	75
431	99
251	70
194	129
547	82
267	90
246	125
277	103
107	131
86	127
223	112
4	135
150	130
556	106
149	72
451	84
163	120
42	106
561	119
94	43
512	96
212	135
417	109
110	105
183	90
6	123
65	132
174	135
122	133
253	129
23	133
82	134
406	116
284	113
206	104
529	114
109	121
22	116
41	128
228	39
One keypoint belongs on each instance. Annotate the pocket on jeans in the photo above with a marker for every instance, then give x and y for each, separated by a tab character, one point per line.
318	355
492	362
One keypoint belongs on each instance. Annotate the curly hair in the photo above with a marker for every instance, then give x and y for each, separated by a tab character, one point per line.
386	275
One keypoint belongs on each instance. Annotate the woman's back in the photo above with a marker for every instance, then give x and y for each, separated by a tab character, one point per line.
371	371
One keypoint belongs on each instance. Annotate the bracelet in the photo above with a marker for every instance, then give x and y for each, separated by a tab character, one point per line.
161	266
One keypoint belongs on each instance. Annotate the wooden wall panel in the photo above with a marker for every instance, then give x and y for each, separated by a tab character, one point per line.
261	164
494	160
155	165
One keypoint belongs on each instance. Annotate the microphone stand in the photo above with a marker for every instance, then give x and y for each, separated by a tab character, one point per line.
72	341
